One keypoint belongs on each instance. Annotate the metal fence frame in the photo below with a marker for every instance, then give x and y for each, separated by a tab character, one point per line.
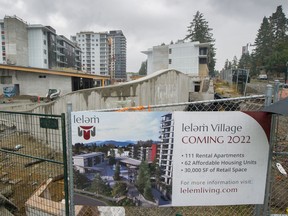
47	130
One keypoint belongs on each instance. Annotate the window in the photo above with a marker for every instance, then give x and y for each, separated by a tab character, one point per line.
42	76
45	52
44	42
170	51
170	61
3	37
45	61
6	79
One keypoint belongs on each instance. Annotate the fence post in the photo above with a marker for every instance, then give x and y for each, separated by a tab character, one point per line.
276	91
268	95
69	160
258	208
64	144
266	210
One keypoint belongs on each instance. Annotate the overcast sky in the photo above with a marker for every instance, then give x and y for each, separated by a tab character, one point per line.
149	23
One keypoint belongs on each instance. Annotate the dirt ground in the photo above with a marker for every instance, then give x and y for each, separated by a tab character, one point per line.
19	179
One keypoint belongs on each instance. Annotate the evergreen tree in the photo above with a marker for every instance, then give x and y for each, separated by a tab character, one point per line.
99	186
143	68
143	176
228	65
271	52
245	61
120	151
199	30
263	42
112	159
80	180
117	172
235	63
148	191
279	27
119	189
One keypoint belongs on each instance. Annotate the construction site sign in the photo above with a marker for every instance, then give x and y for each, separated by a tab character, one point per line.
220	158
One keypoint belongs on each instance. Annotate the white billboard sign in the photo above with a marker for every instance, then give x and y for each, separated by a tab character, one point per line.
219	158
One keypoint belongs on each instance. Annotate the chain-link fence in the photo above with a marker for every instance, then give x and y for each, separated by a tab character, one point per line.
278	202
32	164
33	178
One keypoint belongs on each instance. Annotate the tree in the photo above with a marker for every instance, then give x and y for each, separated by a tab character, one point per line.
263	43
199	30
120	151
119	189
99	186
143	68
271	43
148	191
279	27
228	65
143	176
245	62
80	180
235	63
117	172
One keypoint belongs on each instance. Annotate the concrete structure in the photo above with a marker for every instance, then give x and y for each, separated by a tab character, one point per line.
165	148
85	161
36	46
14	40
188	57
37	81
103	53
162	87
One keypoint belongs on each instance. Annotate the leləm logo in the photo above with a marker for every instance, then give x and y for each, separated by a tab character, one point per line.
87	132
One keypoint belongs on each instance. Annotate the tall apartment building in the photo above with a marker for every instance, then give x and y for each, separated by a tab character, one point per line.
117	55
36	46
94	52
187	57
165	148
103	53
14	41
